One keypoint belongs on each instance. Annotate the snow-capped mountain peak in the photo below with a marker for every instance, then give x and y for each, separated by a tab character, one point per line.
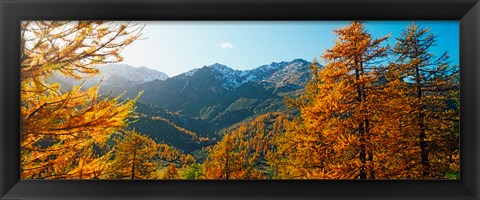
276	73
222	68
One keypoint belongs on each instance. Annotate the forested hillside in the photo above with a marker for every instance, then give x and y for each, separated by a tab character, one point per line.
370	111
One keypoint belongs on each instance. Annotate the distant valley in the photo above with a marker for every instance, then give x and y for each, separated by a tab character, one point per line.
190	110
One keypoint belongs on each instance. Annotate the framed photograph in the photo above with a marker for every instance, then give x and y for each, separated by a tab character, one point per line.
239	99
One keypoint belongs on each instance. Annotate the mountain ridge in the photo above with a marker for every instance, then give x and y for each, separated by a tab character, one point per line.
191	110
260	73
117	77
223	96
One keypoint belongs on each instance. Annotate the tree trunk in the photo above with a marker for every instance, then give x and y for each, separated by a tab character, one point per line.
361	128
370	152
227	172
421	116
133	163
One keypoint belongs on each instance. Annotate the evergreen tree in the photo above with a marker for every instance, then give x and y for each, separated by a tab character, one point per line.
193	171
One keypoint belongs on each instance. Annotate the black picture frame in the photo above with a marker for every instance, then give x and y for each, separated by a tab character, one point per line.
13	11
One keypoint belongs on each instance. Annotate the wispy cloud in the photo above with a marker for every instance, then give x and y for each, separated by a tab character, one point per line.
226	45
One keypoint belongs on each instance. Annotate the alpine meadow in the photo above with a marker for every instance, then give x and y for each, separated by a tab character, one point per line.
198	100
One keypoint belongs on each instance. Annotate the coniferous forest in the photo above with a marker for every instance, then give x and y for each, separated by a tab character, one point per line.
362	109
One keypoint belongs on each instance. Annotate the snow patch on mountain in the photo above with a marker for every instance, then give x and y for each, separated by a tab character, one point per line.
276	73
229	76
191	72
184	86
280	73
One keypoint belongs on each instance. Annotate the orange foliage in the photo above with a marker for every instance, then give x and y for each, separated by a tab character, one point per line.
338	135
58	129
171	172
134	157
247	151
421	86
360	119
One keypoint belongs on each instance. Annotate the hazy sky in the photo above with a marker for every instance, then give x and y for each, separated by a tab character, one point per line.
175	47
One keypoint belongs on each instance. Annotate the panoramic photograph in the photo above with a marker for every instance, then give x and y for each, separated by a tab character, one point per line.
214	100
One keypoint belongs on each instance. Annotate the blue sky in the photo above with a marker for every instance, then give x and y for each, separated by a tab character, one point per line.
175	47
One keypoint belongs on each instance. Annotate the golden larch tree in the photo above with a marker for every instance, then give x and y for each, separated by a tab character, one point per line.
227	160
247	151
171	172
135	156
338	134
428	85
59	128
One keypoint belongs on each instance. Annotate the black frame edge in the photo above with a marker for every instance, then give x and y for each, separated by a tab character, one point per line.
471	49
3	187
